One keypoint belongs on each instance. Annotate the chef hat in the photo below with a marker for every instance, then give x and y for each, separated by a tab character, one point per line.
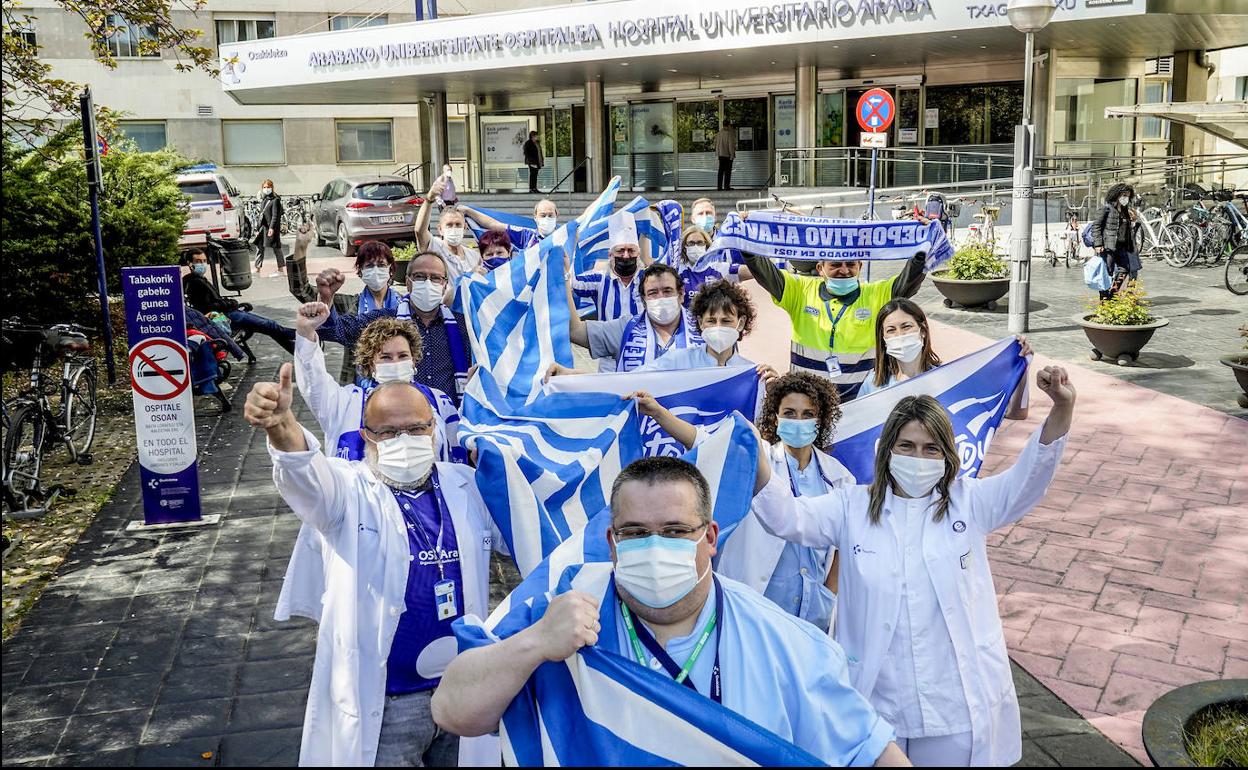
622	229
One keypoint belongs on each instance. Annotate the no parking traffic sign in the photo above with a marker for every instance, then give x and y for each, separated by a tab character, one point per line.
876	110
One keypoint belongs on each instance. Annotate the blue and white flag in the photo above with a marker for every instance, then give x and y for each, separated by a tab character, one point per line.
783	236
697	396
600	709
655	227
975	389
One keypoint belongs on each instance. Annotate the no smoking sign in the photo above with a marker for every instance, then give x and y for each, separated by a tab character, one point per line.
159	369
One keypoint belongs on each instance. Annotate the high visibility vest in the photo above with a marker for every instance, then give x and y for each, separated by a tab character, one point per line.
822	328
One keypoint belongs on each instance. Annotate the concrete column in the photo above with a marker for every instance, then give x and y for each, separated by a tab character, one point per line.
806	89
1191	84
599	165
438	152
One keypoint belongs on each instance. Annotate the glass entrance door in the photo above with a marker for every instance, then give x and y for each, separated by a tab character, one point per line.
696	124
752	168
653	132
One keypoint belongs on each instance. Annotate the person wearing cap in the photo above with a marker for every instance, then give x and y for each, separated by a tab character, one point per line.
612	293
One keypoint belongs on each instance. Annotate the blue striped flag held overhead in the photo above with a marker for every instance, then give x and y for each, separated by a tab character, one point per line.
783	236
697	396
600	709
658	227
975	389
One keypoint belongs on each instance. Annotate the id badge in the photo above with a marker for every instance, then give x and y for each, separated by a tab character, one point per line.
444	598
834	365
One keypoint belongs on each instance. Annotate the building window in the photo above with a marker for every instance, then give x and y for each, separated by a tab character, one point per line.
128	41
339	23
1156	92
148	135
26	31
361	141
457	138
1241	88
1079	119
973	114
239	30
253	142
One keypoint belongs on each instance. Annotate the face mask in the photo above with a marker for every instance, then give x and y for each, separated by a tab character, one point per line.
266	190
916	475
199	268
658	571
625	267
797	433
841	286
426	295
405	459
694	253
376	278
706	222
1123	200
906	347
453	235
720	338
392	371
545	225
663	311
492	263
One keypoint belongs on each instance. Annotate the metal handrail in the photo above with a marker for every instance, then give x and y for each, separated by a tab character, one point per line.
575	168
408	169
954	164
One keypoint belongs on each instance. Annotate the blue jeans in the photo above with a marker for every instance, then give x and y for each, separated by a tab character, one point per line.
409	737
250	322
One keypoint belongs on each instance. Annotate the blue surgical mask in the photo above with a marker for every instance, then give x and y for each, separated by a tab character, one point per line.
841	286
200	268
494	262
658	571
797	433
706	222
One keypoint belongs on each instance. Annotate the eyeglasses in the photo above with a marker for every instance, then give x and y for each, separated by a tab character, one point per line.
387	433
431	277
682	531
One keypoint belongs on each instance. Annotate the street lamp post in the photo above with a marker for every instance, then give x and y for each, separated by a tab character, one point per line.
1028	17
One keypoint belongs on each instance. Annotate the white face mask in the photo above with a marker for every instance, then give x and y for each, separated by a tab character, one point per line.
545	225
664	310
426	295
391	371
694	253
720	338
916	475
658	571
266	190
1123	200
405	459
905	347
453	235
376	278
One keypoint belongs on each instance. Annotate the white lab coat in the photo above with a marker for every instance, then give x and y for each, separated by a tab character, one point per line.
956	557
366	563
337	409
750	556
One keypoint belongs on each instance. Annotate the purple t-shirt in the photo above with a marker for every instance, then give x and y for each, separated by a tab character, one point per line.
423	643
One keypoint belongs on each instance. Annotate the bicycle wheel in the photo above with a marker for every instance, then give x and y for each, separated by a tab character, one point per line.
80	413
23	454
1183	249
1237	271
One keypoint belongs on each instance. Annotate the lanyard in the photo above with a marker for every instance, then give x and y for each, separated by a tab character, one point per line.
814	458
832	334
440	505
639	636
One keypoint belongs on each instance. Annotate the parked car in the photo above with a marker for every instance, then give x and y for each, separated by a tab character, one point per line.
354	209
215	206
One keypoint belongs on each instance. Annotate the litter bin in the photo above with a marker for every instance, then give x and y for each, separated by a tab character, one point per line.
235	255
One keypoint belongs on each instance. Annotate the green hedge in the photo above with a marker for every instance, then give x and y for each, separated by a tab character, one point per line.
49	270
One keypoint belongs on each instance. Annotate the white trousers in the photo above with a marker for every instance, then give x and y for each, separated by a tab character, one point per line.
944	751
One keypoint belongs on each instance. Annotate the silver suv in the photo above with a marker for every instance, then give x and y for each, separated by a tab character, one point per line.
375	207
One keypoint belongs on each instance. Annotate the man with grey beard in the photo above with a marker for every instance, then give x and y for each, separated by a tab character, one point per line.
407	551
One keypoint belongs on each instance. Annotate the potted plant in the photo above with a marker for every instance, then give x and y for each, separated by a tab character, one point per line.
974	277
1120	327
1239	364
403	256
1204	724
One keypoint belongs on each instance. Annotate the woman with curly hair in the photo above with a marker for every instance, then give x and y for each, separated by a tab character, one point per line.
798	420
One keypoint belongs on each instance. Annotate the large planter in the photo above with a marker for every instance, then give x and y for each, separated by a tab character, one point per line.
1239	365
1173	714
1119	343
982	293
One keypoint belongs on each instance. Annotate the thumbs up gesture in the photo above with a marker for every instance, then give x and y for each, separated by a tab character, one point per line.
268	403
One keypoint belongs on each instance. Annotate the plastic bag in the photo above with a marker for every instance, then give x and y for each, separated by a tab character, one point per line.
1095	275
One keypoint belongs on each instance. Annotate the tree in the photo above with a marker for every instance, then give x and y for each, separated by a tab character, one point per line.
35	102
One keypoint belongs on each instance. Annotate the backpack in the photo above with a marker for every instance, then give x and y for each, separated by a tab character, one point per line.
1086	233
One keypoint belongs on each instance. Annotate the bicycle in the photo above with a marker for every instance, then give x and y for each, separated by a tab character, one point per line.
296	211
983	229
33	426
1237	271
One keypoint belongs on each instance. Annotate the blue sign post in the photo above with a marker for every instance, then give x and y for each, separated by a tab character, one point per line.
164	408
